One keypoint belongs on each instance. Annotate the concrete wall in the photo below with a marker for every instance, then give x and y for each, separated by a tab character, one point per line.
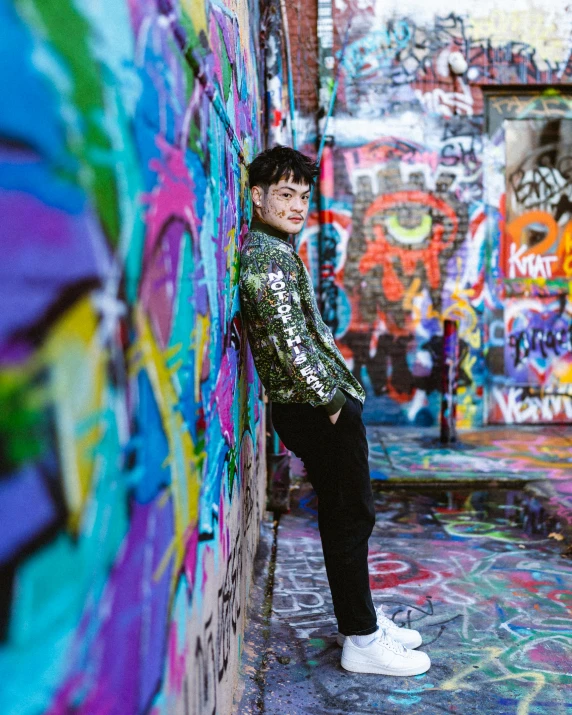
131	429
416	195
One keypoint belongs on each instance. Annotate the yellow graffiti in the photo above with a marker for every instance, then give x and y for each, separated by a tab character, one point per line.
201	339
411	294
540	106
457	681
196	11
468	364
466	409
162	567
183	460
562	371
566	244
535	28
76	367
174	358
539	682
414	291
462	311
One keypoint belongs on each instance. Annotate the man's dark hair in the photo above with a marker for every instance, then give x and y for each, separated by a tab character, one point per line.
281	162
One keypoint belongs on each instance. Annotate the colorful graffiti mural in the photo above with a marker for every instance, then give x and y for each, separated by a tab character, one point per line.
413	191
402	254
537	241
132	430
529	323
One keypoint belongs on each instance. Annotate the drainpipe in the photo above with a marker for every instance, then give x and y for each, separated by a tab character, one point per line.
274	72
288	55
449	378
327	244
276	46
327	289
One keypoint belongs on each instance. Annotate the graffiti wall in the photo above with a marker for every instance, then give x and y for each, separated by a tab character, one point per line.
530	327
411	195
131	431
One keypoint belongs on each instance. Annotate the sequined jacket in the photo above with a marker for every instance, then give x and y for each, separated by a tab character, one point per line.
293	349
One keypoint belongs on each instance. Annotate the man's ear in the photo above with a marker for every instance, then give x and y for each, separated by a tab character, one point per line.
257	194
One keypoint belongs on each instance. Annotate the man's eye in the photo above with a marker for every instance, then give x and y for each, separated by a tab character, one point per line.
305	198
286	195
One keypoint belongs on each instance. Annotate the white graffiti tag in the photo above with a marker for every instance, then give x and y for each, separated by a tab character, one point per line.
294	341
531	265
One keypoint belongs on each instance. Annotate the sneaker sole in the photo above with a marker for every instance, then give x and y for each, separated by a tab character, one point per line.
340	639
354	667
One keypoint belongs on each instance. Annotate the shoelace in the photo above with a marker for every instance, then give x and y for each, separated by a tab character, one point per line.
383	620
391	644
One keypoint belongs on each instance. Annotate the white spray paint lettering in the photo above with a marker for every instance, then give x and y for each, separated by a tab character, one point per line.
531	265
277	285
518	408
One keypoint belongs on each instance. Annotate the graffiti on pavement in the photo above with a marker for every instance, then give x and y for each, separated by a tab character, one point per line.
474	571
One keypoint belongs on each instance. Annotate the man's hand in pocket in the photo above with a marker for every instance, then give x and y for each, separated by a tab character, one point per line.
334	417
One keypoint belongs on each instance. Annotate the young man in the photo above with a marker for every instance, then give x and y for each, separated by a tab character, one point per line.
316	408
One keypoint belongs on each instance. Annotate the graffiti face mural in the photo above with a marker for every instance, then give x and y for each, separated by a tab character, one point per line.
404	250
131	429
408	235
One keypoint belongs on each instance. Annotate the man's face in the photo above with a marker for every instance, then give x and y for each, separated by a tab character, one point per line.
283	205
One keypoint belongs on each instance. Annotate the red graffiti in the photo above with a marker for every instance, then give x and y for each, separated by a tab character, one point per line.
383	252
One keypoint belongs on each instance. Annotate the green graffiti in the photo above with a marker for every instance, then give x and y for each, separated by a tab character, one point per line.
23	425
79	81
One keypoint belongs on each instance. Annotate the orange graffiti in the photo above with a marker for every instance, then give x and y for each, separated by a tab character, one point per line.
515	230
566	250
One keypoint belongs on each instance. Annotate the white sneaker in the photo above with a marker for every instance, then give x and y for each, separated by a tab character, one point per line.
384	656
406	636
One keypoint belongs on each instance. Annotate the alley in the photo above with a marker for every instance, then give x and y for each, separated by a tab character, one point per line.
214	207
470	547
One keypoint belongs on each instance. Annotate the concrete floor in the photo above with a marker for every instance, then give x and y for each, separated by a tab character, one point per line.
470	547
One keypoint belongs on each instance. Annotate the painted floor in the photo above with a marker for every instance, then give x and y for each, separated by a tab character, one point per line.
526	453
479	571
540	457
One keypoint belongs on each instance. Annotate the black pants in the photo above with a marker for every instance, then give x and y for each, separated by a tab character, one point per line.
335	457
